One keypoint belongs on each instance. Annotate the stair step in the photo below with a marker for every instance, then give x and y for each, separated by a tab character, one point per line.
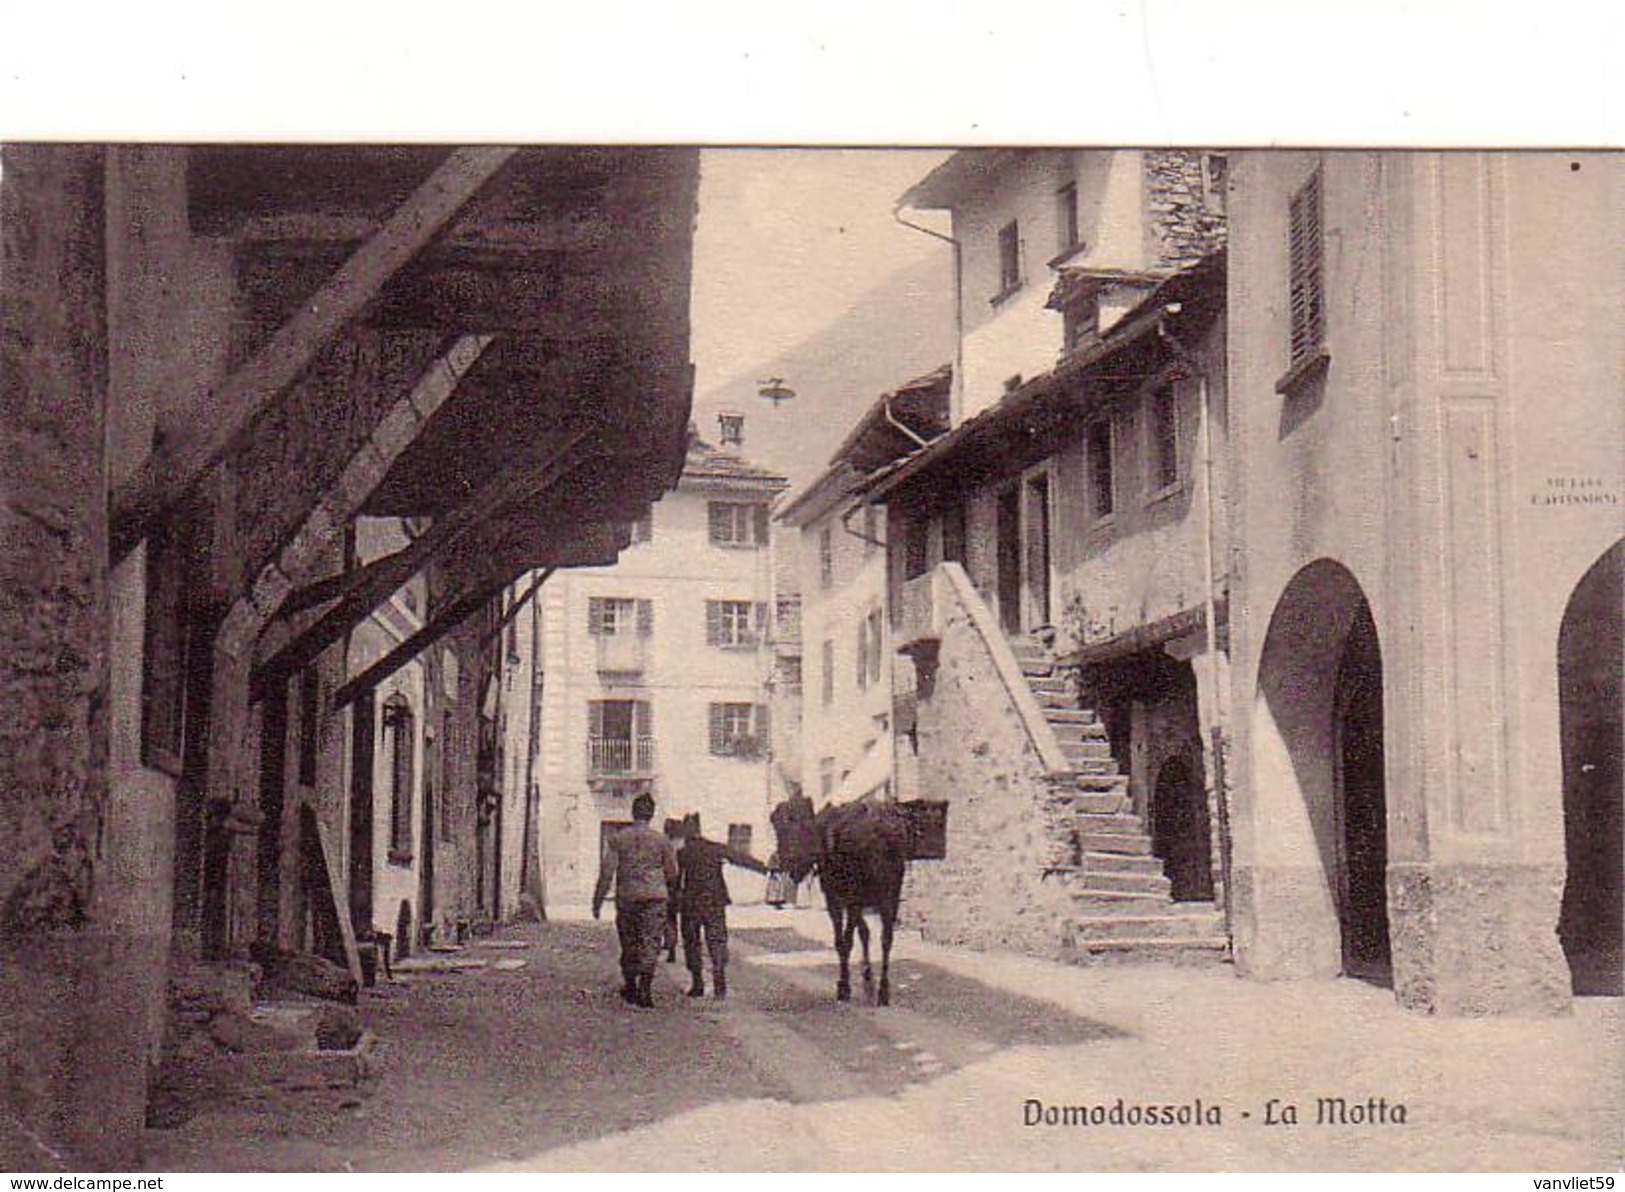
1035	668
1097	862
1132	926
1091	903
1055	699
1101	782
1080	734
1073	716
1147	885
1100	802
1053	683
1116	822
1134	844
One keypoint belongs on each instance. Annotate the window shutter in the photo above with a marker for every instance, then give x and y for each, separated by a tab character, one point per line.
1304	267
713	622
595	718
646	617
719	741
595	615
761	525
764	728
760	613
721	523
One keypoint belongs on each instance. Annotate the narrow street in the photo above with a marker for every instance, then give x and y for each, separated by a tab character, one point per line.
543	1068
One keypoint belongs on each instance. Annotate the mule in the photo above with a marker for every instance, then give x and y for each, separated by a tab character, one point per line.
860	851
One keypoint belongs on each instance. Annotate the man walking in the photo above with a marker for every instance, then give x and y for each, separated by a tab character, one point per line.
639	862
705	904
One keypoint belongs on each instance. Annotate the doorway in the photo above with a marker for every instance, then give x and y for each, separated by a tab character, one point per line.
1362	804
1589	711
1180	834
1036	576
363	726
1009	560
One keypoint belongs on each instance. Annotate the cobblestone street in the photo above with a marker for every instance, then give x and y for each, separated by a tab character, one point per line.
543	1068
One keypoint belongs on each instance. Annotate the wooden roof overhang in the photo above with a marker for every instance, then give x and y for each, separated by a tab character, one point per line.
571	268
1044	415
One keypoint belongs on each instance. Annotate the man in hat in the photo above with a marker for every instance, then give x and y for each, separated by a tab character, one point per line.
705	903
639	862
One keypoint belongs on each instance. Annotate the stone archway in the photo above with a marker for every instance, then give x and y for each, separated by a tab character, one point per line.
1317	745
1589	711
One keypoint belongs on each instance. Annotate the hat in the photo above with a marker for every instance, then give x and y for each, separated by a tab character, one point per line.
643	807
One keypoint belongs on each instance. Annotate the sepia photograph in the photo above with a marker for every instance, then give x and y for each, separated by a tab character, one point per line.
653	654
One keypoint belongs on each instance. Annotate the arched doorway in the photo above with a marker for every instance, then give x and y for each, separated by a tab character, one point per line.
1589	710
1181	835
1362	804
1317	742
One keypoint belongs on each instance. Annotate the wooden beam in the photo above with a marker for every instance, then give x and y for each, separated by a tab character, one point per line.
513	609
199	439
446	620
366	587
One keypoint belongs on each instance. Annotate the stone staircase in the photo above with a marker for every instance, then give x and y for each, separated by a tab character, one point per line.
1122	900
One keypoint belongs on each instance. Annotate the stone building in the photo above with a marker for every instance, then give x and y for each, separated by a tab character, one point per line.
217	363
657	676
1425	364
1057	558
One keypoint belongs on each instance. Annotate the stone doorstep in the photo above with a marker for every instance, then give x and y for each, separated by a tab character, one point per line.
1124	823
438	964
1123	884
1170	924
1069	732
1099	802
1101	782
1172	951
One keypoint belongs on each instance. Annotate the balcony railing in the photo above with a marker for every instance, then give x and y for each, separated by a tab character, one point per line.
621	755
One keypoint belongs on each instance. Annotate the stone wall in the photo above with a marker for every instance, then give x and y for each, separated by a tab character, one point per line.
1184	221
977	752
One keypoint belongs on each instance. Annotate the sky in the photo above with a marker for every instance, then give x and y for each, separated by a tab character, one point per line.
787	240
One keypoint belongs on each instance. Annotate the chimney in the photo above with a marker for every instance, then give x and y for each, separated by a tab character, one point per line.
731	431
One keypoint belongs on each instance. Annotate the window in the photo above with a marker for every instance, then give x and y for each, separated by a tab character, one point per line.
789	618
1066	217
828	676
862	655
739	838
643	529
876	643
1098	449
398	747
826	557
787	673
1080	320
731	429
618	616
735	622
620	736
1162	433
1305	271
1009	260
826	777
739	730
736	523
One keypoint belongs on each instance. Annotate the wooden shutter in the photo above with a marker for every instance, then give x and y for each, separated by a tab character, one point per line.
718	730
761	524
643	734
595	616
721	522
713	622
760	615
763	727
646	617
1305	265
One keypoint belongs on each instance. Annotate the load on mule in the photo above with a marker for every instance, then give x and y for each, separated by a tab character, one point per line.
860	851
